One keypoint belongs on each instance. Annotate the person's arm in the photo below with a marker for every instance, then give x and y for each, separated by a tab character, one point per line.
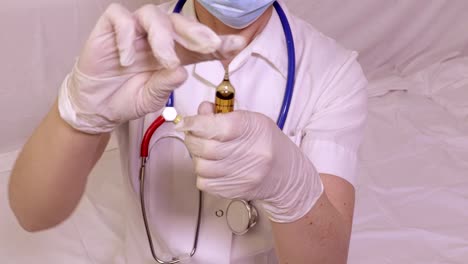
127	69
244	155
331	142
49	176
322	235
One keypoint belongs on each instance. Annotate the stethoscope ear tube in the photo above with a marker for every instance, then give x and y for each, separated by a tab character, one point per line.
288	93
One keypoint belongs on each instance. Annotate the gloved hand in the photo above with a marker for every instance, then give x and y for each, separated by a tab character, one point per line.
132	62
244	155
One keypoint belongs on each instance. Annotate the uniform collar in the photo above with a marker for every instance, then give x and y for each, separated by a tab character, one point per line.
269	45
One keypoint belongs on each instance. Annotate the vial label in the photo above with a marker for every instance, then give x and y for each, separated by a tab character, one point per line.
224	102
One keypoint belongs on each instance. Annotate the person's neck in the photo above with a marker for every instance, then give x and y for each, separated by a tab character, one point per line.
249	33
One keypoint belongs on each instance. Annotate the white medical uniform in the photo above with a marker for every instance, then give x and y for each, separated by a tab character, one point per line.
326	120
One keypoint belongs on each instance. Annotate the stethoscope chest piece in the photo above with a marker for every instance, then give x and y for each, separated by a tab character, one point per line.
241	216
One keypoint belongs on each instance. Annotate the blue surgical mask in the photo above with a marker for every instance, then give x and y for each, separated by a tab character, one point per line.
236	13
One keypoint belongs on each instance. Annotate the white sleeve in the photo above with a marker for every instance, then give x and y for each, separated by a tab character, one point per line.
335	130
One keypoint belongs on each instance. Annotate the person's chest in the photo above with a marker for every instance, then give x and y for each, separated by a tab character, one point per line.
170	188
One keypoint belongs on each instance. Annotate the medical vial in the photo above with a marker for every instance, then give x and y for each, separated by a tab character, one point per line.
224	101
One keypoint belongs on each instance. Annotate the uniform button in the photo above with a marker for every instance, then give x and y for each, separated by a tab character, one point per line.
219	213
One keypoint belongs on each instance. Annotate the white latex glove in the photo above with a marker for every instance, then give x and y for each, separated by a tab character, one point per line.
132	62
244	155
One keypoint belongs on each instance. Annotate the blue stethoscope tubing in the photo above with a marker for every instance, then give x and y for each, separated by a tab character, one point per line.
283	114
288	93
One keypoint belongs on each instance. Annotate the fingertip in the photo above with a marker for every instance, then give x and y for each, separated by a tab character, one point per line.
206	108
178	75
169	60
158	29
166	80
194	36
231	44
201	183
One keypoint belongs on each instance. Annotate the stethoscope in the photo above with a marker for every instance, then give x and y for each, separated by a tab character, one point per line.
170	115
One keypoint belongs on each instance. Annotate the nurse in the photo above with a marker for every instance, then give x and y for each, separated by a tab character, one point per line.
300	179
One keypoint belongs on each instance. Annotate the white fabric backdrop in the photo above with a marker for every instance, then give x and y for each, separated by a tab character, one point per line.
411	196
396	35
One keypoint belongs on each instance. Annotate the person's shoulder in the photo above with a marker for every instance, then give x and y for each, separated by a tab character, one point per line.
319	55
313	45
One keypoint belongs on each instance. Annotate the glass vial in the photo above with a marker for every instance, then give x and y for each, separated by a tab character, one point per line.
224	101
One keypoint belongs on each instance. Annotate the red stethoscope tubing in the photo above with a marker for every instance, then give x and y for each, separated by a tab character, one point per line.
148	134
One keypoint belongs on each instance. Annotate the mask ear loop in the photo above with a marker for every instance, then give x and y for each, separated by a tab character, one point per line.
144	153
